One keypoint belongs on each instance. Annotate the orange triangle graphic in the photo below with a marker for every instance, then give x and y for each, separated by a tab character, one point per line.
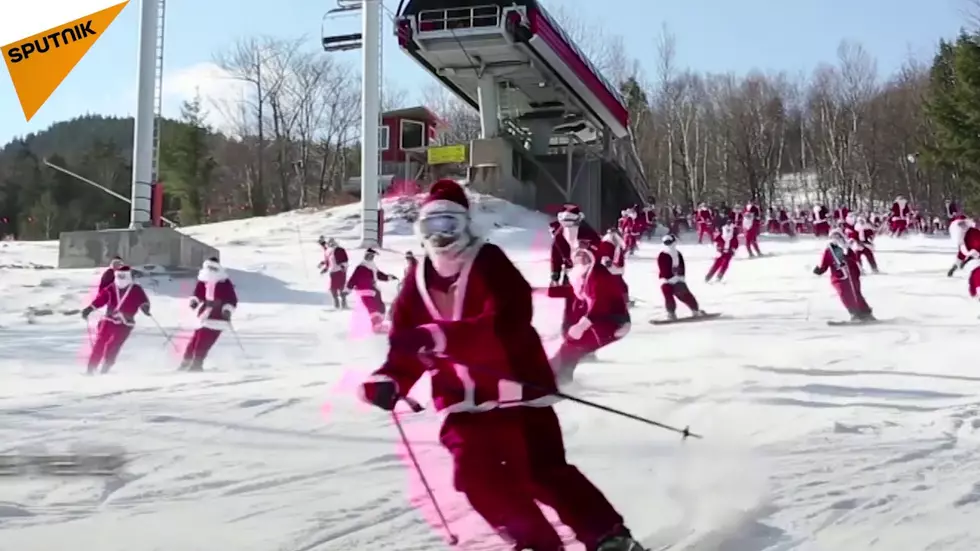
39	64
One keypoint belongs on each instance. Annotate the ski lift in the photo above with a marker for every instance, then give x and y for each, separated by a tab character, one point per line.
341	42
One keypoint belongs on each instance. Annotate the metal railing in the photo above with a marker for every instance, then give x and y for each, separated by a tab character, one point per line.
454	19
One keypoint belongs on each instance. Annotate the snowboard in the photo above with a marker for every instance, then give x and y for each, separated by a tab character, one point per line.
839	323
687	319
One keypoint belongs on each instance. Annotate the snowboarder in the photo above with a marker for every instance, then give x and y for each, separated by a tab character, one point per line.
670	263
845	276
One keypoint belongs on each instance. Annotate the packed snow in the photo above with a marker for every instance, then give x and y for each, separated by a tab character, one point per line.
815	437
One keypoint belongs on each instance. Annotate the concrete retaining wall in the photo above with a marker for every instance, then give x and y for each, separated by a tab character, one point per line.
164	247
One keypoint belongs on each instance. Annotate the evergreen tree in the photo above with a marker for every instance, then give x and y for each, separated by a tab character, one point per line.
953	107
186	164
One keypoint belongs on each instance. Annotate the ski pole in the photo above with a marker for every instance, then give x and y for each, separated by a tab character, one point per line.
685	432
164	333
453	538
238	340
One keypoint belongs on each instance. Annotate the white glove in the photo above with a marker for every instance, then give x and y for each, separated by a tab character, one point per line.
576	331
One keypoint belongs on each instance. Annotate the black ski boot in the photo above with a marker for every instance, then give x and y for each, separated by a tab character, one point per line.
622	541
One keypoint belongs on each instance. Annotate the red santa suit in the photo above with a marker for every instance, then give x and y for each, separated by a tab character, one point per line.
845	275
727	243
900	216
671	268
967	237
633	230
363	283
600	312
801	219
821	221
861	236
750	227
704	220
465	316
650	217
573	230
772	221
612	255
214	301
334	264
785	222
121	300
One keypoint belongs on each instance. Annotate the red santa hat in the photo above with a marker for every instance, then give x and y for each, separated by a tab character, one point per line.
570	213
445	197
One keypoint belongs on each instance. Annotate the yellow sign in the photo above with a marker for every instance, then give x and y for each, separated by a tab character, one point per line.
447	154
39	64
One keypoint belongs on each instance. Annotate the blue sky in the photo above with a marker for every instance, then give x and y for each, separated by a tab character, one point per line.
712	35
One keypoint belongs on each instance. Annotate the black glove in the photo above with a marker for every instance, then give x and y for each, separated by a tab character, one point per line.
817	271
555	277
382	394
86	312
145	308
412	341
194	303
225	315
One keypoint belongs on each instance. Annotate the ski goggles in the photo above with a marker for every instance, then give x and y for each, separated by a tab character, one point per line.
446	224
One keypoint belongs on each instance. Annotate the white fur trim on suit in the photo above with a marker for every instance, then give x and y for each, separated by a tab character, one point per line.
673	280
441	205
568	217
616	270
576	331
438	337
217	325
364	293
228	309
372	379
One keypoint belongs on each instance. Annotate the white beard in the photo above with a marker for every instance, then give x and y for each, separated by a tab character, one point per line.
122	284
571	235
449	260
577	277
208	276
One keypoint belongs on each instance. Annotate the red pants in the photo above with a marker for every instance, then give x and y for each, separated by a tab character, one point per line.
869	255
720	266
772	226
200	345
898	227
849	292
704	230
506	460
974	282
571	352
821	229
337	281
787	227
109	340
678	291
752	242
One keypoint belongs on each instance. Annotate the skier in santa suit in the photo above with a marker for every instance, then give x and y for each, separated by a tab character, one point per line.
573	229
121	300
751	227
465	315
214	301
951	211
862	237
364	283
334	264
601	312
727	244
901	214
632	232
670	263
650	217
109	275
821	221
612	255
703	219
845	276
967	238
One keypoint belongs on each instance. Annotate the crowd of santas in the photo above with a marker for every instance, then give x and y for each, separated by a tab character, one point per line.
818	220
213	301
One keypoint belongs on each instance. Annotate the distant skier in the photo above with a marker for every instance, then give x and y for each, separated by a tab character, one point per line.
334	264
612	255
215	300
363	283
901	214
599	309
727	243
845	276
109	275
967	239
821	221
670	263
122	300
862	237
572	229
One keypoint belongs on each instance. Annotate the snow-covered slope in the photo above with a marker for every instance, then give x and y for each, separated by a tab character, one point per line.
817	437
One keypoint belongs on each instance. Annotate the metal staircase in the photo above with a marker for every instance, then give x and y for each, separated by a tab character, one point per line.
158	90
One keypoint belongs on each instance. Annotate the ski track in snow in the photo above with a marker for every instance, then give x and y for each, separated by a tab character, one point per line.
816	437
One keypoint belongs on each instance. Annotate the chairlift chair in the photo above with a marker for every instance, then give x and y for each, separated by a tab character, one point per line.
341	42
